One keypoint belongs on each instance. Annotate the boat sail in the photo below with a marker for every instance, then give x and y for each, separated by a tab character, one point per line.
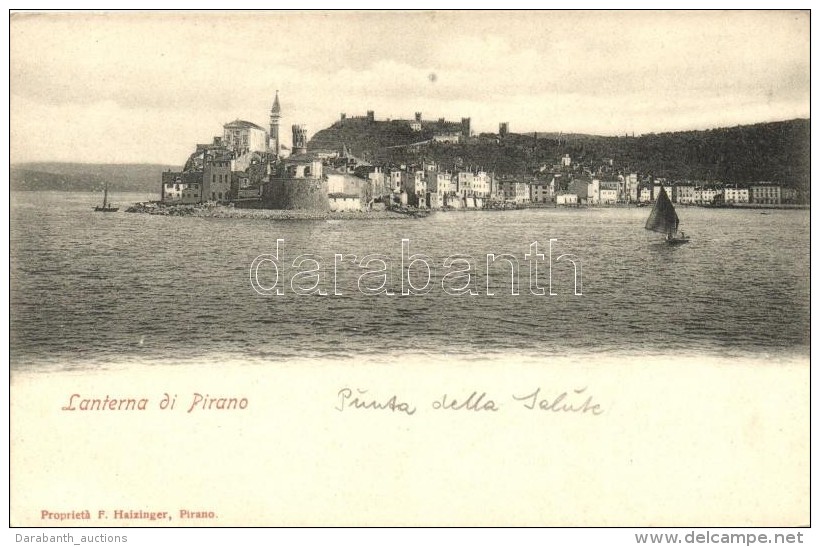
663	219
106	207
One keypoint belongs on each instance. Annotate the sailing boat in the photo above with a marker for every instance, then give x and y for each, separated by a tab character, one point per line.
664	219
106	207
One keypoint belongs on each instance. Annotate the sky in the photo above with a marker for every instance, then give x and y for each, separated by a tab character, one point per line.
146	87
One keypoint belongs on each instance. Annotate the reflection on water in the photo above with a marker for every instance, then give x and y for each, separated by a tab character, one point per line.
90	288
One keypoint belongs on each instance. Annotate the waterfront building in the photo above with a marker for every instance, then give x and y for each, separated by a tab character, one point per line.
206	176
482	184
393	181
463	183
706	196
540	191
594	191
347	192
181	186
790	195
579	187
766	193
602	192
471	188
611	190
515	190
566	199
685	194
216	176
440	184
336	182
414	184
735	194
645	195
522	192
631	186
344	202
375	175
608	196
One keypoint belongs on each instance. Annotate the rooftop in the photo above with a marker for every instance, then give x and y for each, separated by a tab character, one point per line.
242	124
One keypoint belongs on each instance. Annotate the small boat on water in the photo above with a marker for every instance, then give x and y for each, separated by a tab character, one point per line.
663	219
106	207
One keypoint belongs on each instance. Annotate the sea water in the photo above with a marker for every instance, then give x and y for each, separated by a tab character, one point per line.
89	288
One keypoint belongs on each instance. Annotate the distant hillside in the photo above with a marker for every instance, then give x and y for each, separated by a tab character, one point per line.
777	151
128	177
361	135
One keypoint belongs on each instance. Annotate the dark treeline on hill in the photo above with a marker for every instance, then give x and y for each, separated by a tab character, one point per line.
86	177
776	151
361	135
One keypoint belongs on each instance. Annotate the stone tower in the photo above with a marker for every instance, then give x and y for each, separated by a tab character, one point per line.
465	127
275	116
299	140
503	128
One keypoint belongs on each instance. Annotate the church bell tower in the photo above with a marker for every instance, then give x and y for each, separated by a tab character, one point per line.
275	116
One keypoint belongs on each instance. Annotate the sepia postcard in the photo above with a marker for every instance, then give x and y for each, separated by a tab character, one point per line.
409	268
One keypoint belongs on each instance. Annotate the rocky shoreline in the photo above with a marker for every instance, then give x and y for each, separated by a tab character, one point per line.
229	211
225	211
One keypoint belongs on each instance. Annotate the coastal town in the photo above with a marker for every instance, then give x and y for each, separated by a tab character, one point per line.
250	167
